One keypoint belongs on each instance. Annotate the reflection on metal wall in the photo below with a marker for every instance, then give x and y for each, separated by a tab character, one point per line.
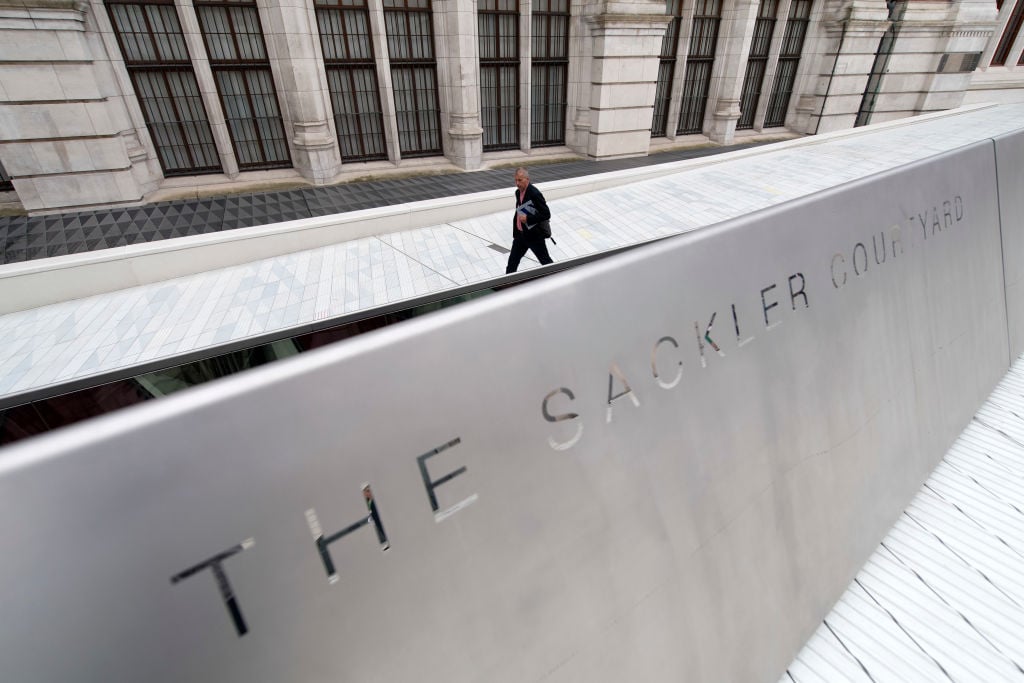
662	466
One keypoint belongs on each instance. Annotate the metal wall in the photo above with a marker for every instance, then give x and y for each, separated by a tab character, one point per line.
1010	172
663	466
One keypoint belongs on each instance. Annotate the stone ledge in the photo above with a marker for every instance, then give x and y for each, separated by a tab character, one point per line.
41	4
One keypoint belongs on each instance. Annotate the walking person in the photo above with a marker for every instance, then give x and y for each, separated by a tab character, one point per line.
531	211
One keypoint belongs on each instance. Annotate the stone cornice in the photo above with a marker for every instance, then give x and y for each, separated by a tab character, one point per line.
72	5
629	20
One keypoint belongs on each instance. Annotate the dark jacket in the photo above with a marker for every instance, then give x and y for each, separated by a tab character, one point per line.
534	206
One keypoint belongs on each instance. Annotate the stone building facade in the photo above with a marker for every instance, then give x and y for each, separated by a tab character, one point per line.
104	103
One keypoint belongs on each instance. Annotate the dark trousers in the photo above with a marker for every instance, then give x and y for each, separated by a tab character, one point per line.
520	243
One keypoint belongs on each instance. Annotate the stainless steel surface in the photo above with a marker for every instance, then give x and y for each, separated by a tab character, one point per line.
1010	165
693	530
942	598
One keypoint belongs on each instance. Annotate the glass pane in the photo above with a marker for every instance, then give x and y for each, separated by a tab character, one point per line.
357	114
550	44
414	79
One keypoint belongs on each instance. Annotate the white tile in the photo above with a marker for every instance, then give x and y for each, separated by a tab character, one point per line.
230	304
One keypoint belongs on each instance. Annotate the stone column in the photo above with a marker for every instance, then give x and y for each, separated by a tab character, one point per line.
581	65
62	141
378	34
526	74
735	36
292	36
626	39
458	75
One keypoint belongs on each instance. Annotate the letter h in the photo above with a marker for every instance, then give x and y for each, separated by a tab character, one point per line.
323	542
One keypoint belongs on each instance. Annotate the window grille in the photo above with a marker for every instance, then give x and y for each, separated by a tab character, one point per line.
757	62
238	58
409	26
549	48
666	68
498	23
699	62
153	47
789	60
352	78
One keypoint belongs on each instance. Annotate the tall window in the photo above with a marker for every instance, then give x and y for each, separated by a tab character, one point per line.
238	57
756	62
154	52
666	68
789	59
549	41
352	78
699	61
414	75
498	22
1009	35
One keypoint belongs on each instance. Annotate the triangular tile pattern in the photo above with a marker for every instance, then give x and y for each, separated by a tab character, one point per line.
25	238
188	314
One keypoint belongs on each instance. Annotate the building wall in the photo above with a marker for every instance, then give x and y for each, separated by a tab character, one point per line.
74	133
66	138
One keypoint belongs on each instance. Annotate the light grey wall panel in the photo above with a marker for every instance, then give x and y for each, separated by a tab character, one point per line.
1010	170
685	514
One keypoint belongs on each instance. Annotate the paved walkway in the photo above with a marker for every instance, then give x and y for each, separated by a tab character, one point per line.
175	320
24	238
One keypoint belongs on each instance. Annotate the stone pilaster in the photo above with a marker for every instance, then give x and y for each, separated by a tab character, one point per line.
458	67
290	29
526	72
65	142
581	60
207	87
378	34
626	40
736	34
